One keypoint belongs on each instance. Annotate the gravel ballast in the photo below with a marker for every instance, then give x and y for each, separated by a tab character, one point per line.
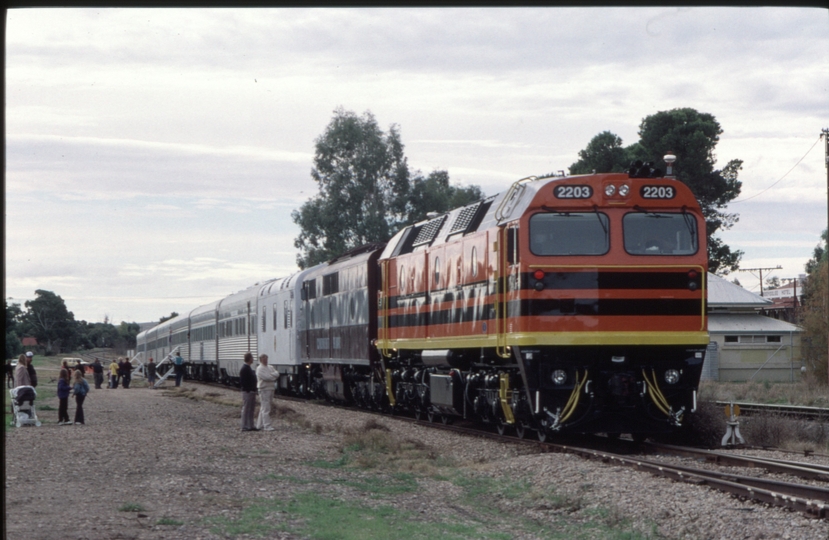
153	464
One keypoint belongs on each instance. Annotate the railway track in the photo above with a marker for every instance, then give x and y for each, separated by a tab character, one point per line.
807	498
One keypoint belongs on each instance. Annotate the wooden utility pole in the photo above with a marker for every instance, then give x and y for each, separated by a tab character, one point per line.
778	267
825	134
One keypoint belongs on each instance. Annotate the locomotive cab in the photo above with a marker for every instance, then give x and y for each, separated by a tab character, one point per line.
606	303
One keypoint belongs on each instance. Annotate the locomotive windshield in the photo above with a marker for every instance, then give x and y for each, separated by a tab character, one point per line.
659	233
569	233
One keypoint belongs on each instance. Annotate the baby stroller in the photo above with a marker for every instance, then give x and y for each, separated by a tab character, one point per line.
23	403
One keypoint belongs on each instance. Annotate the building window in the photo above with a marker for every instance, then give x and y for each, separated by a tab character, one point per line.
731	339
773	339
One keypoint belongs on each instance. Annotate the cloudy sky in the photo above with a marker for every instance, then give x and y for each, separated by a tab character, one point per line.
153	156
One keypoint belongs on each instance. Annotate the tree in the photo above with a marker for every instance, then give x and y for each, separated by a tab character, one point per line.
13	317
813	317
691	136
604	153
363	182
818	255
366	191
127	334
173	314
48	320
435	194
100	335
814	322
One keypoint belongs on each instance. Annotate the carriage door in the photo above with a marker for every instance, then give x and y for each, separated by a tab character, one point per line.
247	323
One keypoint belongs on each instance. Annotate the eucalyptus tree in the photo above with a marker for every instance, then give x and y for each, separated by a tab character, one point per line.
366	190
692	136
363	182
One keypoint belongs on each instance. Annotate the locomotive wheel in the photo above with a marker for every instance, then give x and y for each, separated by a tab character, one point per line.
446	419
520	430
638	437
431	417
501	428
542	435
418	414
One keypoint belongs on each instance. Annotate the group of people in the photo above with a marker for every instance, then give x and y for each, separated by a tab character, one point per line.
120	372
263	382
24	373
77	386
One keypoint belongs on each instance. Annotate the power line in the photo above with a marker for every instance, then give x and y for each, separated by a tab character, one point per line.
781	178
778	267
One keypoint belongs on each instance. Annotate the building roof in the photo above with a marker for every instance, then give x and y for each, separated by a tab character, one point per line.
748	323
724	294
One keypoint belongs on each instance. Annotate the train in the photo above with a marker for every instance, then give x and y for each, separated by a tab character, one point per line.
565	304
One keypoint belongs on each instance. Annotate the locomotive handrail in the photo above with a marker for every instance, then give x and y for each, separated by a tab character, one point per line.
383	331
500	300
512	195
139	369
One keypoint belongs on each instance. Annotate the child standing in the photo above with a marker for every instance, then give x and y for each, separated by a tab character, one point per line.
80	387
63	398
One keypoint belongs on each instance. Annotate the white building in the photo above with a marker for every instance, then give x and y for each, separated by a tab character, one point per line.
746	345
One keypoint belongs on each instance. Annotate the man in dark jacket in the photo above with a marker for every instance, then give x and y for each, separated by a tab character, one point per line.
247	378
150	369
127	373
98	373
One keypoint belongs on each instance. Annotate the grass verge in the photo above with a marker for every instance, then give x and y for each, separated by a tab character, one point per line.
370	491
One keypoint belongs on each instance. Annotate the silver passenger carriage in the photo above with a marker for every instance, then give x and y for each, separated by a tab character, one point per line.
281	314
236	329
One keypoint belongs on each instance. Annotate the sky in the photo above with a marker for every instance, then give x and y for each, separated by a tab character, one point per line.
153	156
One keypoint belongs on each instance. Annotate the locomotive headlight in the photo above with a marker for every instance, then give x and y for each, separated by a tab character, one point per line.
672	376
624	189
559	376
609	190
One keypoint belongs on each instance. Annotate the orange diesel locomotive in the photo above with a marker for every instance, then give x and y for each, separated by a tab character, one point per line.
567	303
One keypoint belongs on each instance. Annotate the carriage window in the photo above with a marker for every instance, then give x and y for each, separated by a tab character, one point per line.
569	233
474	260
658	233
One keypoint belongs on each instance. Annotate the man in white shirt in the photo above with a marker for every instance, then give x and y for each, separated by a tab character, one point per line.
267	377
